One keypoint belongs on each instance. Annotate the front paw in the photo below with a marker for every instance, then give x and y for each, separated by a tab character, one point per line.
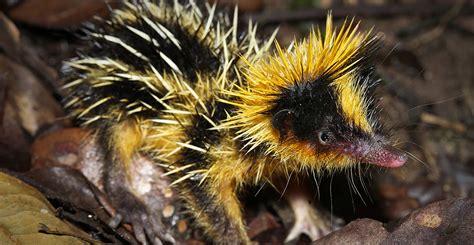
311	222
140	194
147	225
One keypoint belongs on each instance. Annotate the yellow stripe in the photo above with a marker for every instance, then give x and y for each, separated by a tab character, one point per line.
352	104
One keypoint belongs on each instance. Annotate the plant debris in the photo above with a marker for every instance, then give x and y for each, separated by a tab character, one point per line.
428	100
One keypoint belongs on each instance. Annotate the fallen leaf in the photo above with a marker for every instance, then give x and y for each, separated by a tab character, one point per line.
23	210
59	13
35	105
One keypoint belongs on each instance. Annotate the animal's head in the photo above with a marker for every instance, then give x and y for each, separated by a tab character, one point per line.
313	102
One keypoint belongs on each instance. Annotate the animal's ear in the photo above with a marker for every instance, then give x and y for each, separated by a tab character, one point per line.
282	121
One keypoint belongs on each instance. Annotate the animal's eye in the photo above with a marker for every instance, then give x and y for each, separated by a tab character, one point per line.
323	137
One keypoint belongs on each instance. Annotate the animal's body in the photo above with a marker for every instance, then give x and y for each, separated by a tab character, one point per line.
219	110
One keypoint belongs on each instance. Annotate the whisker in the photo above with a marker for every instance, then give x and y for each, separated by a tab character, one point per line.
330	199
390	52
286	186
364	186
260	189
413	157
409	142
436	103
350	190
317	184
357	189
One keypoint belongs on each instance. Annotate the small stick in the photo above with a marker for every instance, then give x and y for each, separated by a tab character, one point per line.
442	122
383	11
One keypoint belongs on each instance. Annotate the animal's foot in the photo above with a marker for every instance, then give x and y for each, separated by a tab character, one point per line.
311	222
147	226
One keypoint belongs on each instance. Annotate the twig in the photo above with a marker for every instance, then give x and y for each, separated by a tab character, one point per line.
46	230
374	11
440	23
442	122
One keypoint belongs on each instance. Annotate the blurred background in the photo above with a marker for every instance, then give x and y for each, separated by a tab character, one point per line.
426	63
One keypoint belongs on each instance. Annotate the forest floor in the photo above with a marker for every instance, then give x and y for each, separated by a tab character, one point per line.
427	95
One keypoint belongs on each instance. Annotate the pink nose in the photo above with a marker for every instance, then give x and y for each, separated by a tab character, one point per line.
377	153
385	156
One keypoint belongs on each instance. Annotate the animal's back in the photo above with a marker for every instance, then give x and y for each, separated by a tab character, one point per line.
152	84
152	57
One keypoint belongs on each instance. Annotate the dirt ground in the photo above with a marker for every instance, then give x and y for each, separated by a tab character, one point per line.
427	96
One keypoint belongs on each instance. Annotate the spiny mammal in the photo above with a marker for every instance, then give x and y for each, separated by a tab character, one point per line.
219	110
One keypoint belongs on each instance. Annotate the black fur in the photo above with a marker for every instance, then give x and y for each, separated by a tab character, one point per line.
224	227
308	108
201	136
194	56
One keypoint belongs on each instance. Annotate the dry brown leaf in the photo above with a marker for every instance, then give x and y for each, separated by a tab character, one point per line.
16	49
10	39
23	209
58	13
35	105
14	141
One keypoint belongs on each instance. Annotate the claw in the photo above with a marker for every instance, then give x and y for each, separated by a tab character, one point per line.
115	221
139	233
147	226
138	199
308	219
